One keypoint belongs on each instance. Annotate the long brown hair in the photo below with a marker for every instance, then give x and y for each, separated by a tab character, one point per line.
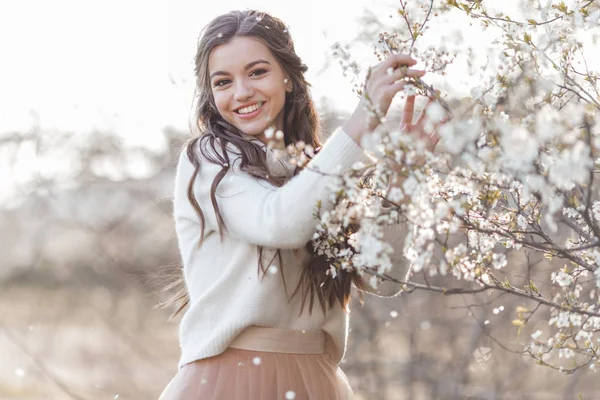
301	122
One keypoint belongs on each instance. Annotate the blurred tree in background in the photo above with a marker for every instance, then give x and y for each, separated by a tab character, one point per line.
86	246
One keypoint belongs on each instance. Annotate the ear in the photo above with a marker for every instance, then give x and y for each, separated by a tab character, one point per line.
288	85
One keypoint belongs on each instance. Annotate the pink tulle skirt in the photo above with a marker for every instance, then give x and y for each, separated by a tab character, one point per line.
264	364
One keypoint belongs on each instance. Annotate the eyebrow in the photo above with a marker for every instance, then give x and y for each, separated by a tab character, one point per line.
247	67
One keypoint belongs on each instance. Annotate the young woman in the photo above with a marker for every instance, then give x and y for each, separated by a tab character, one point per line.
244	220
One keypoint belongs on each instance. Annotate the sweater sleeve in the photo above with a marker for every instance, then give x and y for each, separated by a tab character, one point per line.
257	212
394	235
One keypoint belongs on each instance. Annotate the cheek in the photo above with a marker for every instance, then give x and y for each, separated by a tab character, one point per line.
220	102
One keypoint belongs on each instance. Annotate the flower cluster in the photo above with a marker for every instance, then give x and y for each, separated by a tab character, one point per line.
515	170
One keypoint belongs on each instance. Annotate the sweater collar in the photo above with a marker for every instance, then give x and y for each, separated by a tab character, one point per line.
278	165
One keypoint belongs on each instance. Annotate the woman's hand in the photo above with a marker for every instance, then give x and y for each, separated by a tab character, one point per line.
418	129
384	81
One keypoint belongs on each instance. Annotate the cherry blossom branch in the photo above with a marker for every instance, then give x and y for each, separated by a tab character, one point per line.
510	21
426	17
404	15
554	250
456	291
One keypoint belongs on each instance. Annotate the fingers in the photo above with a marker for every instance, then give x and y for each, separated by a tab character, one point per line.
394	88
409	111
401	73
422	128
395	81
397	60
432	140
388	78
423	114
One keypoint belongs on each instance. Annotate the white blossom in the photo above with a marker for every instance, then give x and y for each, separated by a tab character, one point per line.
512	169
290	395
562	278
435	112
409	90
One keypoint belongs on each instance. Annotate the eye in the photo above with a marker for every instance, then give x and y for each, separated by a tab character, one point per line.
259	71
222	82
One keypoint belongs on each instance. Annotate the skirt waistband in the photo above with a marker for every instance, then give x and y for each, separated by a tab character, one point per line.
275	340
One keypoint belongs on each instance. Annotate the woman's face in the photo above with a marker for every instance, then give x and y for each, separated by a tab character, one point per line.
248	85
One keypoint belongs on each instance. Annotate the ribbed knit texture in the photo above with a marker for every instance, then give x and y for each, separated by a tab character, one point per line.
226	292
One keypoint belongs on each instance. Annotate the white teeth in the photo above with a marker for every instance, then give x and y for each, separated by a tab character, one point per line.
247	110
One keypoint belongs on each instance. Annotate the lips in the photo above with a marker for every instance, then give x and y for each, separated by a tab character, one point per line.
252	114
259	103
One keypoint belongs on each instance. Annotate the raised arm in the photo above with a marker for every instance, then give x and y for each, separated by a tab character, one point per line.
259	213
255	211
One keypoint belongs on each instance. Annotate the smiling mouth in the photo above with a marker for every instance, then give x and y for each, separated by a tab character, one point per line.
250	109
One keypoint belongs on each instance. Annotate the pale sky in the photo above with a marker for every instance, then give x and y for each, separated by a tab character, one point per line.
85	65
126	66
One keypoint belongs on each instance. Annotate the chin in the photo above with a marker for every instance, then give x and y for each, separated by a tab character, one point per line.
251	131
253	128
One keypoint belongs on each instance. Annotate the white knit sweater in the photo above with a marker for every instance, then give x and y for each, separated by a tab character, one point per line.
226	293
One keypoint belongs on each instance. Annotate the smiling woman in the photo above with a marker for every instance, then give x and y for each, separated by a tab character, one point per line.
244	335
248	85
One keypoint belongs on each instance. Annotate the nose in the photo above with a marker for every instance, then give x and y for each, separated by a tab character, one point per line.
243	90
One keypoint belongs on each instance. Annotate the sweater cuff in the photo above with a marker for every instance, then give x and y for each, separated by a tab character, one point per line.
339	153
